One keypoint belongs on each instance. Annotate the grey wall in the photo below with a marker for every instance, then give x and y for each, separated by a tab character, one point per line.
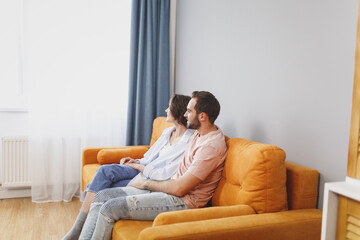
281	69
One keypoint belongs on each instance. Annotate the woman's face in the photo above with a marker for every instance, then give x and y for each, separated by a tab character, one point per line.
169	116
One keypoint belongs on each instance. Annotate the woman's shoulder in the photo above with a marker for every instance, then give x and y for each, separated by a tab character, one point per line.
166	133
168	130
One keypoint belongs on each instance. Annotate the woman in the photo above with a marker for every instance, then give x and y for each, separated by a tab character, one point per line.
159	162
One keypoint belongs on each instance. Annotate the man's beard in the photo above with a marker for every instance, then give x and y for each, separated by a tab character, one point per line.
193	125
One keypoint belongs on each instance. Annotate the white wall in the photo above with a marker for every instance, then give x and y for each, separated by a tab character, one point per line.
281	69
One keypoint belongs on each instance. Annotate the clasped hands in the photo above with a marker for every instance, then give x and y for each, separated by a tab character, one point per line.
135	164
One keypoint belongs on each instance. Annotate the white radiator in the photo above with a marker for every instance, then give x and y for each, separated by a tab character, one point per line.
15	167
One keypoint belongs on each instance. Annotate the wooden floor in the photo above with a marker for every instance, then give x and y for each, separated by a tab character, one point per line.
22	219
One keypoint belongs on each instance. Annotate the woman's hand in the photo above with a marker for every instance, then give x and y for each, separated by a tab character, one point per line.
136	165
127	160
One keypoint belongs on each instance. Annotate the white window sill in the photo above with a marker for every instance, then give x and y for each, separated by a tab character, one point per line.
14	110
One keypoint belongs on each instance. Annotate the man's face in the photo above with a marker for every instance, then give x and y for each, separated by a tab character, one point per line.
191	115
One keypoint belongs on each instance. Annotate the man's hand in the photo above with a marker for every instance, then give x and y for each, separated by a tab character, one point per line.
140	183
127	160
136	166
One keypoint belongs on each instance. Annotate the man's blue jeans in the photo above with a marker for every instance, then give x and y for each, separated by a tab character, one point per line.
111	205
110	176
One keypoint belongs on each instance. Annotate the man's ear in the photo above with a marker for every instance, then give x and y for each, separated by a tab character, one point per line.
203	117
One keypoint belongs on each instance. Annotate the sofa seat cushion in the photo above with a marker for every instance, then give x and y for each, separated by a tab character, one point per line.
198	214
254	175
88	173
129	229
295	225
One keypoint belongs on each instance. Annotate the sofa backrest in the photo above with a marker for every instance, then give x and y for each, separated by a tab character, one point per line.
159	125
255	175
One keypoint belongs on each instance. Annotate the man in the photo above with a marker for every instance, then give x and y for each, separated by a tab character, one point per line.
191	187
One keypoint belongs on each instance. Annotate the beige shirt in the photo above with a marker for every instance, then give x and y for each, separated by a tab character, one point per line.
204	158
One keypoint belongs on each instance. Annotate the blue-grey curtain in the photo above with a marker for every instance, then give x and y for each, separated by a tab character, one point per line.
149	68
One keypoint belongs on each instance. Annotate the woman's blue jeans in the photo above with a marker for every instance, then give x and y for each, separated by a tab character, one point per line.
110	176
111	205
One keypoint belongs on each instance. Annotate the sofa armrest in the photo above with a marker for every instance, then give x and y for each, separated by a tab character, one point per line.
108	156
89	155
294	224
202	214
302	186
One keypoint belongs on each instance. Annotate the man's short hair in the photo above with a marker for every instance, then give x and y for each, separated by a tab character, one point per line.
206	102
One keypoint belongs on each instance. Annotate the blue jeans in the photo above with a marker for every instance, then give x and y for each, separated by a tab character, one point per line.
111	205
110	176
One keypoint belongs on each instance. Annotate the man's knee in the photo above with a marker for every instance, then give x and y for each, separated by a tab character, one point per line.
109	194
115	209
102	196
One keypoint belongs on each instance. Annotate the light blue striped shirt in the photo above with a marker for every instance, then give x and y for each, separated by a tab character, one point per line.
163	167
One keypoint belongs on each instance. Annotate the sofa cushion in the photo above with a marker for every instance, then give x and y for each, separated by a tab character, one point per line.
109	156
295	225
255	175
198	214
129	229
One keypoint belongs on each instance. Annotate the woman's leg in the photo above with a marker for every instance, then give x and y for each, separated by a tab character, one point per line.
99	199
106	176
137	207
111	175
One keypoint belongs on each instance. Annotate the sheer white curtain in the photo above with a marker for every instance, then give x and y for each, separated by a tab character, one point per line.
76	68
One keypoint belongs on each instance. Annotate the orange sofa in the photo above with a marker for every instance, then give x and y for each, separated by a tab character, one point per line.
261	196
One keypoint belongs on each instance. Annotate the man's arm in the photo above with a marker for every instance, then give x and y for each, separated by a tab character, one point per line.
177	187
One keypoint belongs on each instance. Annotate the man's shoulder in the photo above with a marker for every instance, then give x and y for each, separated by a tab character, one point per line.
216	136
214	140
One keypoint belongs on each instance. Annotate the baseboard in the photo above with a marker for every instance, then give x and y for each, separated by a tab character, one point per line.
14	193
